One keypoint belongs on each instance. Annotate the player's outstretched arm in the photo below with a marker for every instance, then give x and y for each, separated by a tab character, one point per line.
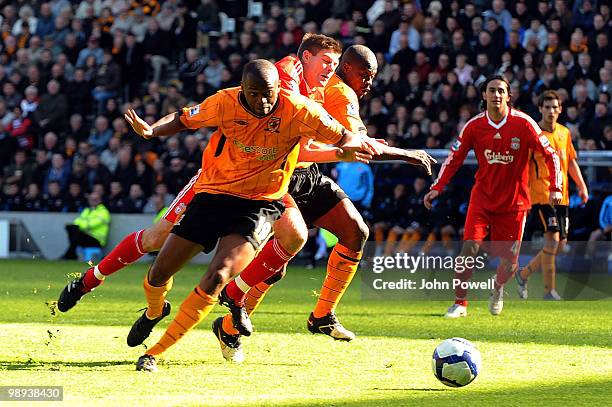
166	126
315	152
414	157
576	174
357	142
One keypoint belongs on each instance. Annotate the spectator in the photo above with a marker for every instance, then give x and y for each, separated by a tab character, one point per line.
93	49
136	200
106	81
116	198
52	109
90	228
75	201
100	135
96	173
53	200
33	200
110	156
157	47
59	172
125	172
20	172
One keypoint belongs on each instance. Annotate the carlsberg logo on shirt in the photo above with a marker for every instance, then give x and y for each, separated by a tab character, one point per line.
498	158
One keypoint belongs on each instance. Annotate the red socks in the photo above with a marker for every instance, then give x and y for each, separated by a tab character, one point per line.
126	252
270	260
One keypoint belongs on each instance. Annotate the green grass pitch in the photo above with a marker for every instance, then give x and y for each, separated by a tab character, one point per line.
535	353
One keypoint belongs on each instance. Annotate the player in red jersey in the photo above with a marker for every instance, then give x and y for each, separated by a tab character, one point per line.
502	139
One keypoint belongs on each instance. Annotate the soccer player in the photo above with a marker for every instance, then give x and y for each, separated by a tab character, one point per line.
552	220
502	139
320	55
246	169
307	75
322	203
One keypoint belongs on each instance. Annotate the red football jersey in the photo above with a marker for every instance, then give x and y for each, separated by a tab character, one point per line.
503	151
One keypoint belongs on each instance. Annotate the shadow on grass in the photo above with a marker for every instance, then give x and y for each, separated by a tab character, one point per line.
58	364
594	392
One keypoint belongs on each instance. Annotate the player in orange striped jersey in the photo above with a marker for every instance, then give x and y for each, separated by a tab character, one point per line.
552	220
245	171
321	203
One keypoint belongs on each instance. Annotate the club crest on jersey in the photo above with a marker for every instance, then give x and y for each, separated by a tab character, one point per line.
194	110
273	124
515	143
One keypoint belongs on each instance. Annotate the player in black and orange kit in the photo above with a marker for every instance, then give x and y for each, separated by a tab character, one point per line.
246	169
502	139
553	221
321	203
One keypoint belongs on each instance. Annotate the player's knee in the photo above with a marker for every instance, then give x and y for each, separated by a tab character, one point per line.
215	279
153	238
291	233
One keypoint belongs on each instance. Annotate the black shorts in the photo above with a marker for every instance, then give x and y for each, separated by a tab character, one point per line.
314	193
550	219
209	217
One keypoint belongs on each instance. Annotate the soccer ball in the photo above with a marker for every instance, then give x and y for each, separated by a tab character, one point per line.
456	362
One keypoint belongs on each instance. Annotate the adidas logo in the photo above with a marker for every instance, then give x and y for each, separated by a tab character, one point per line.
497	136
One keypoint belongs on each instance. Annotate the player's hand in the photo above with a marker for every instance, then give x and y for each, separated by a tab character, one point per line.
583	193
141	127
351	154
420	158
372	146
555	198
429	197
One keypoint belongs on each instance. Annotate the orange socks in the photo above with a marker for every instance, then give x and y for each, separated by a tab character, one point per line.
193	310
341	268
155	297
532	267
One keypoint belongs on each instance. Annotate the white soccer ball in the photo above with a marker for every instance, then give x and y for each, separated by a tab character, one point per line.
456	362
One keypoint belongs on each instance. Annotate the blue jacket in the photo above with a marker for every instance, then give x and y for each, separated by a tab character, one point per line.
357	180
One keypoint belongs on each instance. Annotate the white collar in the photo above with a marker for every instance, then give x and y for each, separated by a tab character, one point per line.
503	121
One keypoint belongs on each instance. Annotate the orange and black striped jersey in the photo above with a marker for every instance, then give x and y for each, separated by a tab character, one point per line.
252	157
342	103
561	140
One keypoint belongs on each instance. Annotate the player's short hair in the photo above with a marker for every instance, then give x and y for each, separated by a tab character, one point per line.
316	42
548	95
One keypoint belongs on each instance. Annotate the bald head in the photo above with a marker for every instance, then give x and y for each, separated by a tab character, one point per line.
360	56
260	70
358	67
260	86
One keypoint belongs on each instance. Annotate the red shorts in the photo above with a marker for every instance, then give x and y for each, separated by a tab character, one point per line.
505	230
178	206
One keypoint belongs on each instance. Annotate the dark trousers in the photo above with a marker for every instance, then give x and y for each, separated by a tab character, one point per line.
78	238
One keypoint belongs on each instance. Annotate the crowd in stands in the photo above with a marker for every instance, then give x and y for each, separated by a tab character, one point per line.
69	69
